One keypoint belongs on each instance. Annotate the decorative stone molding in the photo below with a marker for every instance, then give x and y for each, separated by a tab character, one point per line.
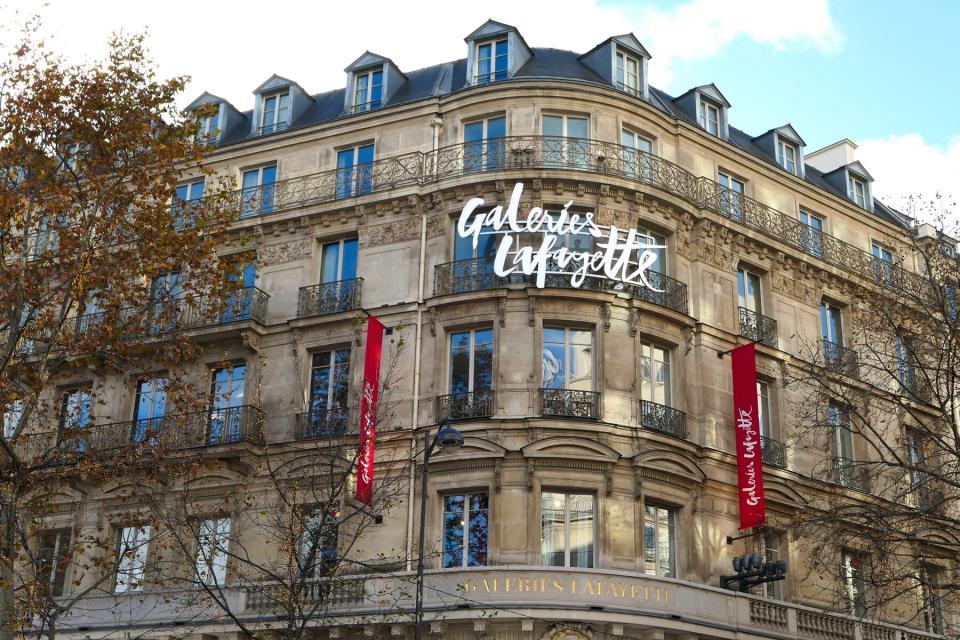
389	233
568	631
795	289
283	252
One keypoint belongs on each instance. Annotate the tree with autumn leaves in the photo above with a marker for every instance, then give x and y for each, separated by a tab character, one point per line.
90	233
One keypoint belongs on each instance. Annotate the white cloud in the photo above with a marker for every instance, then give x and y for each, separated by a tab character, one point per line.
919	178
230	48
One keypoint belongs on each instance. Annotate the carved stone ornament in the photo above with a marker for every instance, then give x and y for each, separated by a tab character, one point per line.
389	233
284	252
567	631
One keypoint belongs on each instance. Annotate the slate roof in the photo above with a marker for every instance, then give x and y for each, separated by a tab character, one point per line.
449	77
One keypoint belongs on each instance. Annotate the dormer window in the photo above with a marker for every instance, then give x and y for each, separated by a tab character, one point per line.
276	110
491	61
787	155
857	190
708	115
628	73
209	128
368	90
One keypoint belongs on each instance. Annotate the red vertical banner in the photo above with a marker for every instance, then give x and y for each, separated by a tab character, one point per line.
368	410
746	426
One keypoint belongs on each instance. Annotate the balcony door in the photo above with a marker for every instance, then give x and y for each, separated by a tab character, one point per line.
258	190
748	291
240	300
329	386
338	276
149	407
636	153
354	171
75	415
226	402
566	141
483	144
812	234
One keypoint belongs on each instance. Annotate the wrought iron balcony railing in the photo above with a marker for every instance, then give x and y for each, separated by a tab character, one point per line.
243	304
477	275
774	452
329	297
322	423
271	128
664	419
492	76
466	275
848	473
464	406
326	186
758	328
212	427
840	359
570	403
363	107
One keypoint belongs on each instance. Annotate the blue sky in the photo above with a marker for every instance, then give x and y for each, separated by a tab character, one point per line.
875	72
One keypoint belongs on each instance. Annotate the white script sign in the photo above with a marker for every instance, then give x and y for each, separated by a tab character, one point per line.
626	256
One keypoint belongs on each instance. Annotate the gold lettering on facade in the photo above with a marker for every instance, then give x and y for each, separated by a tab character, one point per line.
596	587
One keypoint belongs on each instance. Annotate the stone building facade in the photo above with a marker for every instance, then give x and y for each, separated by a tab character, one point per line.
596	484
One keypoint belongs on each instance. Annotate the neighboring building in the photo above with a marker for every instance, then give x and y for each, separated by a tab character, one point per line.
596	485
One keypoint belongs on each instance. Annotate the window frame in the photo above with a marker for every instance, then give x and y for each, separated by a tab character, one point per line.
783	146
672	517
745	273
566	350
276	125
138	560
471	374
494	74
668	362
56	576
856	594
774	589
309	566
622	58
765	408
209	561
704	107
465	547
594	540
367	76
731	200
854	181
333	366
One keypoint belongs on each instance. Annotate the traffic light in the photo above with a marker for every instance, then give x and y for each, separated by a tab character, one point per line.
752	570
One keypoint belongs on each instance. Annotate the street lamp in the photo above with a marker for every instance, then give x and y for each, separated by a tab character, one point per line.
448	439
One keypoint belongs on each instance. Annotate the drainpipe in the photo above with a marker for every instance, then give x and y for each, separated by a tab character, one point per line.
436	124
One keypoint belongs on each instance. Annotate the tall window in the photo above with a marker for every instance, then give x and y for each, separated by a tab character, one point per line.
748	290
763	406
636	154
844	467
565	141
275	112
854	580
731	196
240	301
654	373
831	328
708	115
329	387
770	550
149	407
213	547
226	402
12	415
355	171
368	90
318	555
208	127
648	236
465	530
916	443
812	233
856	190
132	544
258	190
339	261
659	541
567	361
787	155
492	61
882	264
75	408
628	73
931	599
567	529
471	361
483	144
53	557
904	351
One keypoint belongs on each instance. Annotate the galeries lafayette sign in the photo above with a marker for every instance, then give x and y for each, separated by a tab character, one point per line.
539	244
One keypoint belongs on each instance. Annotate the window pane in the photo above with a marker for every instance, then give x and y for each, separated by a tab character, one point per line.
554	358
348	270
553	125
330	263
460	362
453	526
477	541
483	360
577	128
580	363
581	530
552	507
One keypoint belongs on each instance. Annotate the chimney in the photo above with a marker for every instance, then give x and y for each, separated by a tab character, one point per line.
834	156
